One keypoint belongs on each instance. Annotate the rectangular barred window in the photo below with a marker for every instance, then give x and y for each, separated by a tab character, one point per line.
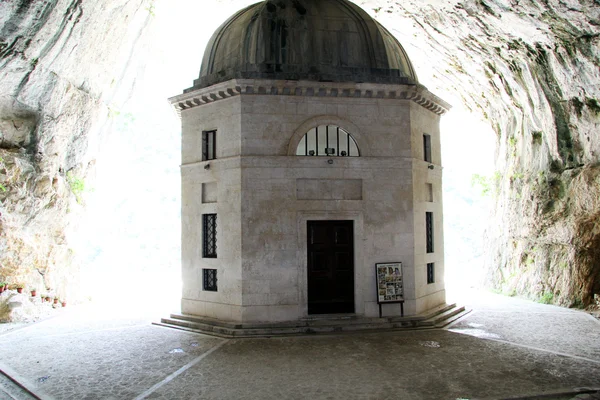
209	230
209	280
430	273
427	147
209	145
429	230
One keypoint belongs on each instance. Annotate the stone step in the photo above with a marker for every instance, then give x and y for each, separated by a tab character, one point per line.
268	332
322	324
341	322
429	314
245	333
426	319
325	319
448	316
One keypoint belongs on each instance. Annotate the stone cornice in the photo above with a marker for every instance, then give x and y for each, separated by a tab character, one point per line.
236	87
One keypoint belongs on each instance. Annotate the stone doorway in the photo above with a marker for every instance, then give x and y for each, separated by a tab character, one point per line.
330	267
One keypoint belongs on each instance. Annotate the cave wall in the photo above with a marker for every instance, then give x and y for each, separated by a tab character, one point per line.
548	160
531	70
66	66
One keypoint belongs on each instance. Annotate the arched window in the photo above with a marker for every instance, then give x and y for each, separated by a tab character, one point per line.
328	140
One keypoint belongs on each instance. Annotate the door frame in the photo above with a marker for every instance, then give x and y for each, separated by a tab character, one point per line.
342	279
302	255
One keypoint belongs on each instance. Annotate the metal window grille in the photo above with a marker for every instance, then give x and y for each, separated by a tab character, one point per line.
430	273
209	225
429	230
329	141
427	147
209	280
209	145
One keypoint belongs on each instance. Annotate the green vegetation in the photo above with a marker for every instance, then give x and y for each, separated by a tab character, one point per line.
122	120
151	8
593	105
5	308
548	207
530	261
512	142
576	303
537	137
2	187
516	176
563	265
498	129
458	67
577	105
497	177
490	185
77	186
113	112
556	167
514	67
491	67
556	189
515	45
483	182
546	298
487	8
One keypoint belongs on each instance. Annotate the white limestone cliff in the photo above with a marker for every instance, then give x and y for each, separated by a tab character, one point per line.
65	67
531	69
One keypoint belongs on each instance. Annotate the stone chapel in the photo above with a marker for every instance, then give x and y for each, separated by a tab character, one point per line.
310	155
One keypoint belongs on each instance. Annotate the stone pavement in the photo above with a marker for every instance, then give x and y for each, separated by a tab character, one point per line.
506	348
11	390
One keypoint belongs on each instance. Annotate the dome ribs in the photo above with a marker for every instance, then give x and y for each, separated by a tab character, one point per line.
315	40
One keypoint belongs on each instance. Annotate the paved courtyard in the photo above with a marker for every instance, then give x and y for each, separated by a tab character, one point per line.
505	348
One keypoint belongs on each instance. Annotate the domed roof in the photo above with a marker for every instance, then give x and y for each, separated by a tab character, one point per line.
317	40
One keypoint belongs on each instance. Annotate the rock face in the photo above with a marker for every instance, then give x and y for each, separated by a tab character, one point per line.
545	232
63	71
529	68
532	69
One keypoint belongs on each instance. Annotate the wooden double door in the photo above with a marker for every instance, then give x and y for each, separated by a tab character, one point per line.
330	267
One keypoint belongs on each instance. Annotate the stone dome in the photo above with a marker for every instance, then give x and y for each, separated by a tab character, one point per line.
316	40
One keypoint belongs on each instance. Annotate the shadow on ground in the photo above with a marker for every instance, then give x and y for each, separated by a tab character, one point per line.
505	348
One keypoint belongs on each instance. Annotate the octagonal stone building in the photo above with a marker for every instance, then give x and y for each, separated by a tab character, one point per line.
310	154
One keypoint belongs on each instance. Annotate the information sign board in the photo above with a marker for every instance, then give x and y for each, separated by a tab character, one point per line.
390	287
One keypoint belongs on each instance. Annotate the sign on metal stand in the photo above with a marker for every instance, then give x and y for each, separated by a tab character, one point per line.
390	285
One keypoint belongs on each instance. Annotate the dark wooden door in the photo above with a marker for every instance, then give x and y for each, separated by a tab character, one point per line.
330	267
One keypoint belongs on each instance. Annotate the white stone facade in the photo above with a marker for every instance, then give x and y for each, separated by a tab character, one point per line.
264	194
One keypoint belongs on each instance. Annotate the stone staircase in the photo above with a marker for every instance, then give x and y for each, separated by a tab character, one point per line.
318	324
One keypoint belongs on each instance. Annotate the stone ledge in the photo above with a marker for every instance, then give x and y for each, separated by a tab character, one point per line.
236	87
317	324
